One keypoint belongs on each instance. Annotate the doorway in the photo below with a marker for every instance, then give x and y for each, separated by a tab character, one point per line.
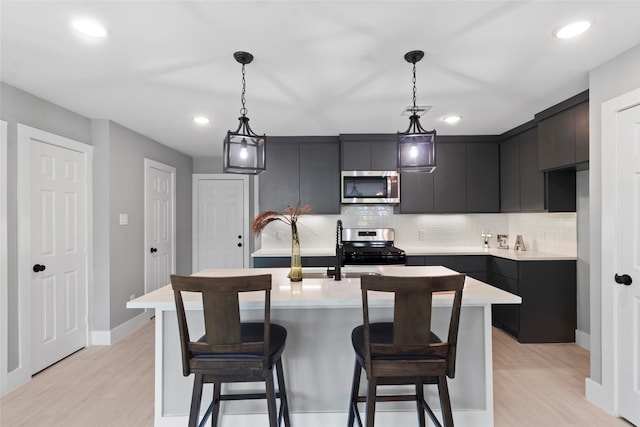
220	221
54	247
159	224
620	254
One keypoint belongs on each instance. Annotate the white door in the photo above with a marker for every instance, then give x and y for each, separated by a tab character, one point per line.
159	224
58	253
221	224
628	210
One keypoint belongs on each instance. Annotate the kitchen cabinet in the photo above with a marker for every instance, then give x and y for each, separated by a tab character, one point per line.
466	179
305	169
548	291
369	151
483	177
472	265
563	134
285	261
450	178
521	183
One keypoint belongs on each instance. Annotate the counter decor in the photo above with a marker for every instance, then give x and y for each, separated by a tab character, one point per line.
290	217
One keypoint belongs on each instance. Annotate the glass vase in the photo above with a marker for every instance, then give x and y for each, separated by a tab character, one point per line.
296	261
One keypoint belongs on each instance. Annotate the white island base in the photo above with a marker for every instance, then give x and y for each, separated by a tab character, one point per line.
319	315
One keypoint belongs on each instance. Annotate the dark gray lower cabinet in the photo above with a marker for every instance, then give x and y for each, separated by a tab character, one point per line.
472	265
548	291
285	261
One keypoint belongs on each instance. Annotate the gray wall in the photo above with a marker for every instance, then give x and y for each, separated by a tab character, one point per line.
612	79
127	151
118	188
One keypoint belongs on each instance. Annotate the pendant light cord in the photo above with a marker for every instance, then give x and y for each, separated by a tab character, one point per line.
243	110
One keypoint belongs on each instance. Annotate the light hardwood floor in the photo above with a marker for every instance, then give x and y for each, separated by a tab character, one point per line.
536	385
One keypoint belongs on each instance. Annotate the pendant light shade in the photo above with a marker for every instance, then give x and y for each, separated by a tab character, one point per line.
416	146
244	151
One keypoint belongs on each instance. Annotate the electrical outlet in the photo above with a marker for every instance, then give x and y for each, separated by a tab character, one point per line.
132	297
422	234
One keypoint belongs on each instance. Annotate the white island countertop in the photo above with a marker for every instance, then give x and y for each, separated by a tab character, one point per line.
319	292
432	251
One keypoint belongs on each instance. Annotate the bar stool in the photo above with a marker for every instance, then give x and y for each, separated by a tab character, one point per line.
230	350
405	351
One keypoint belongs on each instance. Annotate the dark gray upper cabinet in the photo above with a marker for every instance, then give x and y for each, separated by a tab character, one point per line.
280	182
510	174
483	177
563	134
466	179
320	175
582	132
531	179
369	152
301	169
416	193
521	183
450	177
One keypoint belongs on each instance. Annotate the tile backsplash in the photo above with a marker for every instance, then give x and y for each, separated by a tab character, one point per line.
543	232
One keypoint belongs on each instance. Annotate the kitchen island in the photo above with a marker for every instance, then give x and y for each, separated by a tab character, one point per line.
319	314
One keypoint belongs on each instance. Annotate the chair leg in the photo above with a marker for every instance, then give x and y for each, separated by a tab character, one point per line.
355	389
217	388
284	402
196	397
419	403
371	401
271	398
445	402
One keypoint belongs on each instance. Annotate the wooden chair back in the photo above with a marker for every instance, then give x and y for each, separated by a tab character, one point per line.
221	310
412	316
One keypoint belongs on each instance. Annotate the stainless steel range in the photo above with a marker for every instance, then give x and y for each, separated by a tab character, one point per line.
370	246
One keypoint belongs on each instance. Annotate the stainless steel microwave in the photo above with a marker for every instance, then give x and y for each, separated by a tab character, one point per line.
381	187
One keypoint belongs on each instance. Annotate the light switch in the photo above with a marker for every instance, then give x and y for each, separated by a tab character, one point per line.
124	219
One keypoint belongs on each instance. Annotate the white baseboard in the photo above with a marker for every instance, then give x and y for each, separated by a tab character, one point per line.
583	339
120	331
596	394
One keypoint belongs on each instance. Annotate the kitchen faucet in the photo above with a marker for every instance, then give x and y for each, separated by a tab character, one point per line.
339	249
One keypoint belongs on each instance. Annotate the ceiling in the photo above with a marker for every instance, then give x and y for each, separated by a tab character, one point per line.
320	68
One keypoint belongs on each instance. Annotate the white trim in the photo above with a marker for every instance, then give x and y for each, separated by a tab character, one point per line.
111	336
4	264
607	397
25	134
595	393
583	339
148	164
194	212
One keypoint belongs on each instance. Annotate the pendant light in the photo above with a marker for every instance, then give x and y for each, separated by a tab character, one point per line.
244	150
416	146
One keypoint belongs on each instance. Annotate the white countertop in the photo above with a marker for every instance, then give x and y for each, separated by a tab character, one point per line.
423	251
326	292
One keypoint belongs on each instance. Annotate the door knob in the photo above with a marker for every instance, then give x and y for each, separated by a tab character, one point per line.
239	245
625	279
154	250
38	268
239	236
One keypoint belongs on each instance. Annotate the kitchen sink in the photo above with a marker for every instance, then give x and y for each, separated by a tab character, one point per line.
344	274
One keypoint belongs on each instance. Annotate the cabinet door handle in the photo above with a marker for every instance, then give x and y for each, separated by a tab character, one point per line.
625	279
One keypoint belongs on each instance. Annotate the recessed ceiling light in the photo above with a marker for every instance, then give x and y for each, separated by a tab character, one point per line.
201	120
573	29
89	28
451	119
